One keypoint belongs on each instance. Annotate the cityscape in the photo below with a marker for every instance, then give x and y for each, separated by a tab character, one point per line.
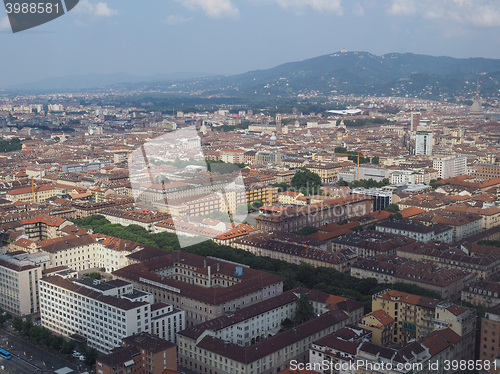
176	205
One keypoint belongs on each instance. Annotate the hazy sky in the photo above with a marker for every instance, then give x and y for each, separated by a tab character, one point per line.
146	37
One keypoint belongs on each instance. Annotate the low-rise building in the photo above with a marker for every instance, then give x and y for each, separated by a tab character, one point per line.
392	269
482	293
463	224
417	230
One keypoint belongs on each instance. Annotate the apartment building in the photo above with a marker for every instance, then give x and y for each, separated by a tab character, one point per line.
266	246
490	217
485	171
482	293
449	167
211	354
44	227
78	253
206	288
392	269
481	265
102	312
140	353
417	230
417	317
233	156
463	224
35	194
333	211
337	350
19	285
381	326
369	243
490	335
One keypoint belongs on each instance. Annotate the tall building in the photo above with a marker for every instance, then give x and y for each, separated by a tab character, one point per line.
414	120
450	167
423	143
490	333
278	123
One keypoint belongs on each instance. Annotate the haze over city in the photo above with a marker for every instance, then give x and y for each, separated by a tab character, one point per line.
250	187
234	36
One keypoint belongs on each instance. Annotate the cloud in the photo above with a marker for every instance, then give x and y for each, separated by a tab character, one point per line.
358	9
482	13
4	23
213	8
329	6
102	10
99	10
175	19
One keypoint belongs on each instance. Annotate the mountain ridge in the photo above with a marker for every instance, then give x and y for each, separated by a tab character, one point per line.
338	73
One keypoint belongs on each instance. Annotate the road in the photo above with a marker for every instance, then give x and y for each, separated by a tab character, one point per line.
28	358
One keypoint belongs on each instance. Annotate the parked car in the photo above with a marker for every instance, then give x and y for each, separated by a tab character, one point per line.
81	358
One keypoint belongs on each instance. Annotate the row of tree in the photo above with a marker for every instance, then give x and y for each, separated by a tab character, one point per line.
13	144
41	335
322	279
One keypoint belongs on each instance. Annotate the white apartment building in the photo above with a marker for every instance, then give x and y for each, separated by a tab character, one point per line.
450	167
423	143
19	285
102	312
166	321
418	231
90	251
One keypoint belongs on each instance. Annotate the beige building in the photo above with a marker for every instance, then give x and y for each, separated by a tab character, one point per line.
380	323
417	317
205	288
19	286
37	194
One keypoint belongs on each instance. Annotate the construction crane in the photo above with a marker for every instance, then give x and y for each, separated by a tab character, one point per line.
357	155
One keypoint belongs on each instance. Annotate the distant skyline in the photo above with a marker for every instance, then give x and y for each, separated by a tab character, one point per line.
235	36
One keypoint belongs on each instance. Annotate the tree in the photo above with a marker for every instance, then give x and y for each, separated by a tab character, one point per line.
306	181
396	217
307	230
17	324
94	275
90	356
392	208
68	347
257	204
4	317
304	311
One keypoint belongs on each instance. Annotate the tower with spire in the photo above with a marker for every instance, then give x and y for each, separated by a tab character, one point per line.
476	110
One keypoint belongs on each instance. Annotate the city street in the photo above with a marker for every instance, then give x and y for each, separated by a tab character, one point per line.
27	358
